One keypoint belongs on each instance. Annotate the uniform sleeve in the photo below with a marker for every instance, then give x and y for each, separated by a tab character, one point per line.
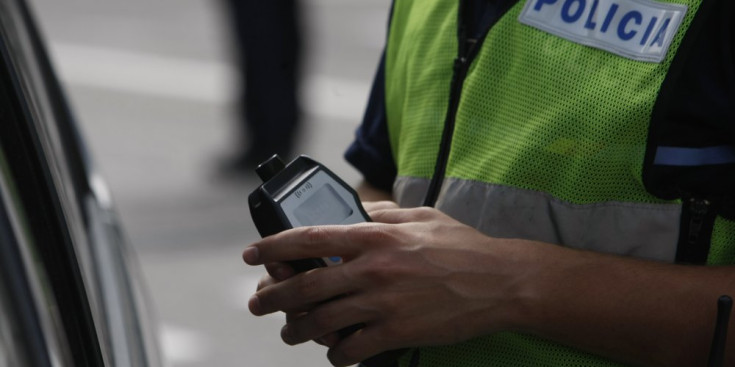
370	152
696	116
705	91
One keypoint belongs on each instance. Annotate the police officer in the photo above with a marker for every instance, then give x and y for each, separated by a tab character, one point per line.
558	174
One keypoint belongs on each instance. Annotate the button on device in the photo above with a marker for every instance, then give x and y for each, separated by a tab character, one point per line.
335	259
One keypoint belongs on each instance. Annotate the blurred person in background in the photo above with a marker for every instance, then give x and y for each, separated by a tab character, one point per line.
268	51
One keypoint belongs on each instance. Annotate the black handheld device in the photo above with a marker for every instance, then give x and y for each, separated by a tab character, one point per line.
306	193
302	193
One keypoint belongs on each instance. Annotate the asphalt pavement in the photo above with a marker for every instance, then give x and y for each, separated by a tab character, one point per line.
152	86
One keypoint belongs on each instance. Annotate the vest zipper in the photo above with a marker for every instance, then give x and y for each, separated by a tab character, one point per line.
466	51
460	71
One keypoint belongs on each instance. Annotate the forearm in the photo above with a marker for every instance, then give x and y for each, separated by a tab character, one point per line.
413	275
641	312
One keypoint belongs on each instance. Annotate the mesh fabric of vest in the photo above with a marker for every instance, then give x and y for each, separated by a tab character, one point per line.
536	112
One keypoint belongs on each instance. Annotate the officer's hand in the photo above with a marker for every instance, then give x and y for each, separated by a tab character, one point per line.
414	277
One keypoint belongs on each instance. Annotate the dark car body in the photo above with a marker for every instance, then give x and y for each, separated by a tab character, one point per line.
70	289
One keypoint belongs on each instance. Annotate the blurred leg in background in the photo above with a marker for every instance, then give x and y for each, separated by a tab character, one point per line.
268	36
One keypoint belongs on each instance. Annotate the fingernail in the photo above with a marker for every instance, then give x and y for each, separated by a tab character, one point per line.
254	305
250	255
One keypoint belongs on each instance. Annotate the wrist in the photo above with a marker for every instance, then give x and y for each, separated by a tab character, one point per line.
527	269
508	274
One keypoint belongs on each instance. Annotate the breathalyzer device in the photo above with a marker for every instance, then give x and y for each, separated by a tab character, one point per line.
305	193
302	193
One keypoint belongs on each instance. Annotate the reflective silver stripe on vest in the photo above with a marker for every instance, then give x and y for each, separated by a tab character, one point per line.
647	231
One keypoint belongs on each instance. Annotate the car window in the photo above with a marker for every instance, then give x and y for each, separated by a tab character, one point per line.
30	327
76	247
28	139
20	336
11	353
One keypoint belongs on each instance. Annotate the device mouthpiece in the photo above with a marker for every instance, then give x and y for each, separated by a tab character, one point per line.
270	168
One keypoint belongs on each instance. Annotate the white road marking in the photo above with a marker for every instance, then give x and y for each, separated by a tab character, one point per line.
193	80
182	346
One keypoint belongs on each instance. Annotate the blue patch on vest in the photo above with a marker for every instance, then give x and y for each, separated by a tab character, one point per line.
681	156
636	29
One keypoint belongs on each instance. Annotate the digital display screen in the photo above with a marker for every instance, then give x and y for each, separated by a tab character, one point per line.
323	207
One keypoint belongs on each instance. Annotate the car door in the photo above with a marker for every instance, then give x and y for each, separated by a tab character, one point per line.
70	290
